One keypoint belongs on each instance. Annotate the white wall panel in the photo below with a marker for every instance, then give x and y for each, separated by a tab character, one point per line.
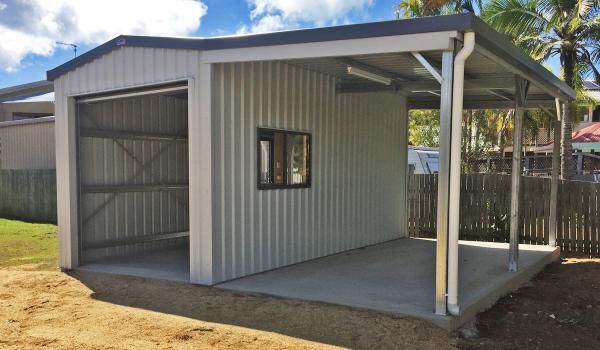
27	144
357	170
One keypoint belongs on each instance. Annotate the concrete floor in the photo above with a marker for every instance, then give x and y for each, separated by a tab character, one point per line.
395	277
169	264
398	277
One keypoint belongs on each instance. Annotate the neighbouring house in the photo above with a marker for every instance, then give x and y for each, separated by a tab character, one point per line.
27	152
32	100
211	159
586	139
423	160
591	113
27	126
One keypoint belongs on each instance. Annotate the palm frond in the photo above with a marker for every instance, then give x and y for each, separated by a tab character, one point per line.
516	17
584	7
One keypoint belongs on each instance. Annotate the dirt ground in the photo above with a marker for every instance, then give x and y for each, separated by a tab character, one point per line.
560	309
97	311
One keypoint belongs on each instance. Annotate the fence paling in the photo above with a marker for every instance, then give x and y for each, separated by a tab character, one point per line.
28	195
485	207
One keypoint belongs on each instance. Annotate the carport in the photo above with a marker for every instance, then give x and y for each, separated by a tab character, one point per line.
297	150
398	277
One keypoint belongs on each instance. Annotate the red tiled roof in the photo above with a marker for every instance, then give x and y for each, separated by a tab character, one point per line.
587	134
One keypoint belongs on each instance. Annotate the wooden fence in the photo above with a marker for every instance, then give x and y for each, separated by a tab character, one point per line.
28	195
485	210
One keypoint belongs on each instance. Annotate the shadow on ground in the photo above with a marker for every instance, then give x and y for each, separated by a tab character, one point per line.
318	322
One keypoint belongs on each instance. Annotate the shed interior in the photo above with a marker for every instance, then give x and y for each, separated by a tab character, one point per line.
133	182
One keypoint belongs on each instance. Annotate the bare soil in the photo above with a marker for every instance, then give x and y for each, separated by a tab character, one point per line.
560	309
42	309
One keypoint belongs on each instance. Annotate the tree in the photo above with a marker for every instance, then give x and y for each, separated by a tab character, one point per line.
423	8
424	128
569	29
546	28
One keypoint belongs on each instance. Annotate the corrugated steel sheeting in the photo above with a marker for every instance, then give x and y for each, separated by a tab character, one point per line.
27	144
106	161
122	68
357	168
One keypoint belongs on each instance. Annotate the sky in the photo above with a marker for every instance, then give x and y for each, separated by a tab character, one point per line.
29	29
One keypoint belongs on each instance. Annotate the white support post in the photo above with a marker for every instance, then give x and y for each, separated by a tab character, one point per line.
200	176
441	261
66	182
522	86
404	167
555	178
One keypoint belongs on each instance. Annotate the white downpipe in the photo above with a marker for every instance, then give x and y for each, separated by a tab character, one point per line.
453	224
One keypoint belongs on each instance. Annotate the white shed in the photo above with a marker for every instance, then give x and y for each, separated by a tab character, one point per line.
254	152
27	126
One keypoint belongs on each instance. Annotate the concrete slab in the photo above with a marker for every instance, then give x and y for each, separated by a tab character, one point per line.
168	264
399	277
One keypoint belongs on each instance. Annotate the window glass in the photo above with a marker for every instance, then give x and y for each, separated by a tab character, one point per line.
297	161
283	159
265	159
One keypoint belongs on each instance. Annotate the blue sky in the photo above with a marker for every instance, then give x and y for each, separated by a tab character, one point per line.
28	50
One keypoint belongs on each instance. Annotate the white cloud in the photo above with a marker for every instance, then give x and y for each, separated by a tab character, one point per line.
33	26
272	15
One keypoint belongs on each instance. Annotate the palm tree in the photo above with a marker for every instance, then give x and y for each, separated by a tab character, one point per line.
569	29
423	8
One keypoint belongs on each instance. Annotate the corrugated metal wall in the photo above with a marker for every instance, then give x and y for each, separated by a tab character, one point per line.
27	144
108	161
122	68
357	168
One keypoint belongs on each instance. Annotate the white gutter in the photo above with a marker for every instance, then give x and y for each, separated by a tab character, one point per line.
454	204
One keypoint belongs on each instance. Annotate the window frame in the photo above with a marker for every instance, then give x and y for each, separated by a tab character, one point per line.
261	132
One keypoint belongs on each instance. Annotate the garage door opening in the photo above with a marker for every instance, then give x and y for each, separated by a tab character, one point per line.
133	182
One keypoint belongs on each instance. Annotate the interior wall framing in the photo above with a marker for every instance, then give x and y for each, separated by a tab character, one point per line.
117	164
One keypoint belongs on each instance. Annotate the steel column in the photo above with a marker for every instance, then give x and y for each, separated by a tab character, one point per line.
200	150
555	177
522	86
441	264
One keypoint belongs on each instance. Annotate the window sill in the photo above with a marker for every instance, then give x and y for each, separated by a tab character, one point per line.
282	187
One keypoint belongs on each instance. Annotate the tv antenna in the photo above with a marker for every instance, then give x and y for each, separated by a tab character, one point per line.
68	44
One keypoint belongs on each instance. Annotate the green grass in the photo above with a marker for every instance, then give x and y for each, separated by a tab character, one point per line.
24	243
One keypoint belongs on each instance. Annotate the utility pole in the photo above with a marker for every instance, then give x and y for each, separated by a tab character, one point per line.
68	44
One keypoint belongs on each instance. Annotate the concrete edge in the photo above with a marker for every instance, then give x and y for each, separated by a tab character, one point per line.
497	291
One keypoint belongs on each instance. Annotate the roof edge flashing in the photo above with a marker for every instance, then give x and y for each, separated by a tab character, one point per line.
460	22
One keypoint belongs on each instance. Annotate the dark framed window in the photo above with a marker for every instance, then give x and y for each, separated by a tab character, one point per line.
283	159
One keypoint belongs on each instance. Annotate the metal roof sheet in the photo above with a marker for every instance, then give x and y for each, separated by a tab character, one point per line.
487	39
18	92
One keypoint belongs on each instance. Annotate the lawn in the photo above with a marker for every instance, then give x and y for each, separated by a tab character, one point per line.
23	243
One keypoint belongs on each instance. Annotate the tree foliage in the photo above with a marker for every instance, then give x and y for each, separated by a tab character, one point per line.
569	29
